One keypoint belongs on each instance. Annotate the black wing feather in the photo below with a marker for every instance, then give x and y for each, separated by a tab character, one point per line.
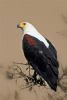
52	48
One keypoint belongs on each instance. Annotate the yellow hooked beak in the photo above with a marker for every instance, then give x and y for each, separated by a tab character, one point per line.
21	25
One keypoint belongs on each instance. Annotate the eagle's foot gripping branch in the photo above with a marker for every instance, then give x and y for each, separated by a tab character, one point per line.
15	71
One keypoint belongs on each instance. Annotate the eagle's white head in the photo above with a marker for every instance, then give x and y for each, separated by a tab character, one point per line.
32	31
27	28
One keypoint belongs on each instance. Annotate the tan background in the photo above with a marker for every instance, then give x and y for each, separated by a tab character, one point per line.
48	16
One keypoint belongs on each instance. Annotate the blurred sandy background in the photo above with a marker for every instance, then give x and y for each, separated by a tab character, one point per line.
50	18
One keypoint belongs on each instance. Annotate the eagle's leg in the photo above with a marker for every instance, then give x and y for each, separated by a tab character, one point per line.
38	80
41	82
34	77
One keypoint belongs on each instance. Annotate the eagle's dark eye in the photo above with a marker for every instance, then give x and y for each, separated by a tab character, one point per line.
24	23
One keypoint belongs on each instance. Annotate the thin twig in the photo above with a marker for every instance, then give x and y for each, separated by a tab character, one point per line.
20	63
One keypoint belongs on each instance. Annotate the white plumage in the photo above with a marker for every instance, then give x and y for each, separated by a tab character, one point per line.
31	30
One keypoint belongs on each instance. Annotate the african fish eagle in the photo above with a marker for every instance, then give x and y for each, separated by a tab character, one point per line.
40	54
